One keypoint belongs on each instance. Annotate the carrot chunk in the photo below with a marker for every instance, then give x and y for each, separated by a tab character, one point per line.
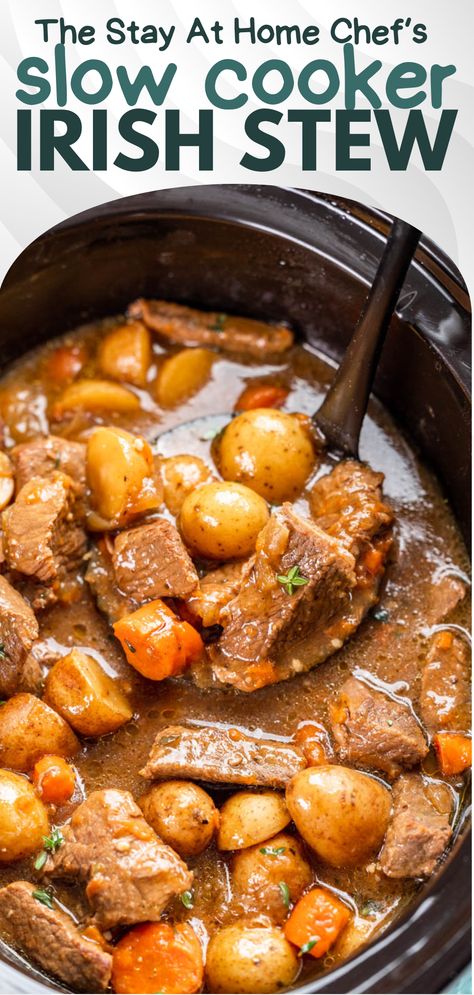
261	396
54	779
444	639
373	560
65	363
156	957
156	642
316	922
309	738
454	752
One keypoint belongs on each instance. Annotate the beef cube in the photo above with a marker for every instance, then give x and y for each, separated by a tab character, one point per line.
100	576
150	562
271	634
373	730
445	696
347	503
215	591
18	632
225	756
41	537
187	326
130	875
42	457
50	938
446	593
418	832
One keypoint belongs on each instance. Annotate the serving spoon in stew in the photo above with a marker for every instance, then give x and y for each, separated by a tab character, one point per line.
338	421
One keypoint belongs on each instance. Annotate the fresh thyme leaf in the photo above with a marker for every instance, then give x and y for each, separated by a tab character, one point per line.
292	579
219	323
41	860
369	908
285	893
305	949
381	615
45	897
272	851
53	842
187	899
2	651
131	648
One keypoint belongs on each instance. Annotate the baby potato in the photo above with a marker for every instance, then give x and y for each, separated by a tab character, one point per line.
182	815
181	475
23	818
341	813
267	450
96	395
221	521
125	353
182	375
246	958
270	875
121	476
86	696
29	728
247	818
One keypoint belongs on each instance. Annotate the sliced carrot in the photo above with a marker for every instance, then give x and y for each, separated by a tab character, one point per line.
454	752
309	738
54	779
444	640
316	922
261	396
65	363
373	560
156	642
157	957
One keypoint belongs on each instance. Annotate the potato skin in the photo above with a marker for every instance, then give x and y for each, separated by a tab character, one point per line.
221	521
341	813
256	876
23	818
182	814
29	729
181	475
267	450
182	375
246	958
86	696
247	818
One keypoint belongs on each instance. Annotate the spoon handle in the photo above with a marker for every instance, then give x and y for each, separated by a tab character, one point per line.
341	415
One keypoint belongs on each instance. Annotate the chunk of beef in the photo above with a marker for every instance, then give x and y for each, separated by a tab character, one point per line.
445	595
215	590
373	730
18	631
187	326
100	576
270	634
445	697
41	537
52	940
42	457
347	503
130	874
226	756
418	832
150	562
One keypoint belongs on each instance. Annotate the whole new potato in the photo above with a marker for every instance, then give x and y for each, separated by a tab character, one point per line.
246	958
221	521
341	813
248	817
23	818
270	875
269	451
182	814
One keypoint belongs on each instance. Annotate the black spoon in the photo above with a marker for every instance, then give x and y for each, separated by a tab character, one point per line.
339	419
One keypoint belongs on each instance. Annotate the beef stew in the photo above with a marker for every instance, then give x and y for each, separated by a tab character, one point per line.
198	596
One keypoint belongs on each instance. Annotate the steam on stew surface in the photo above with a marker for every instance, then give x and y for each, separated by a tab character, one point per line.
234	672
